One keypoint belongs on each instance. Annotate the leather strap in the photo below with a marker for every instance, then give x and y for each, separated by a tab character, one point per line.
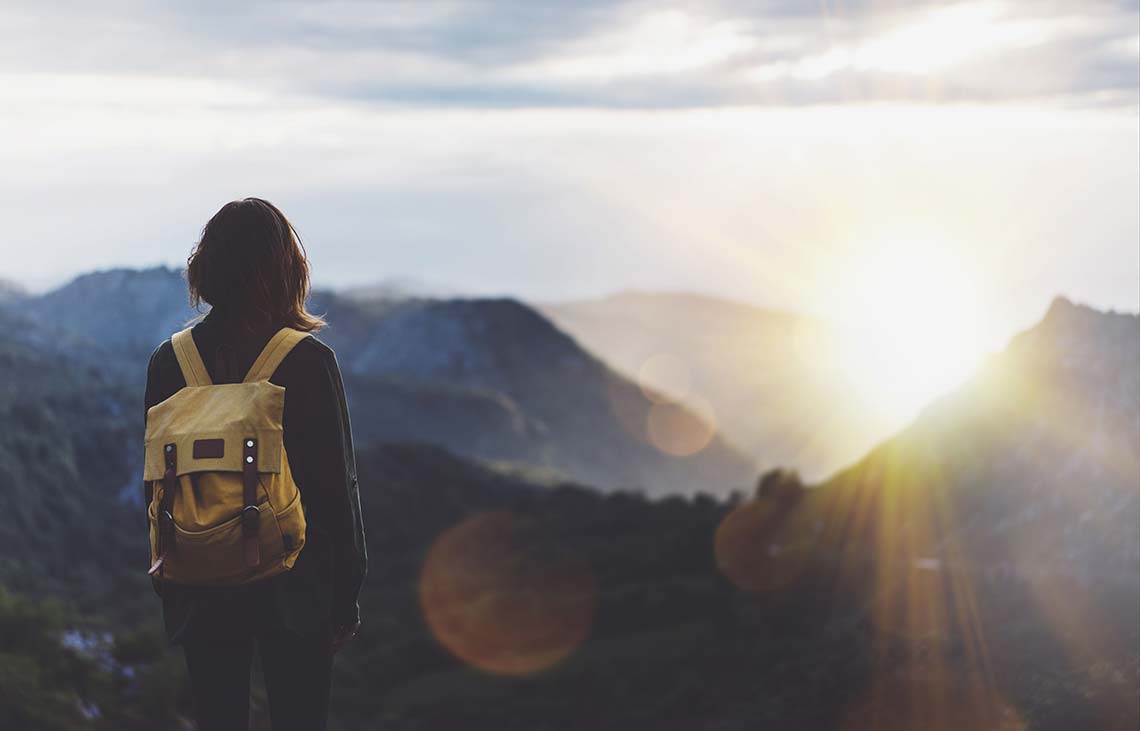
250	513
166	544
189	359
273	353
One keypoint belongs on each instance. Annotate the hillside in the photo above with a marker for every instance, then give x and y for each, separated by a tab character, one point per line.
1004	524
69	461
1035	462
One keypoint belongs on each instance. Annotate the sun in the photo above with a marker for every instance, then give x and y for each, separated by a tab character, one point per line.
911	326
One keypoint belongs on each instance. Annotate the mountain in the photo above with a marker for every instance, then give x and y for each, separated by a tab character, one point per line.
120	313
1000	533
1034	462
493	379
488	379
768	375
979	569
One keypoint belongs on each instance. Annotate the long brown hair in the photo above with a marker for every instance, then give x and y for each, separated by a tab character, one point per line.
250	261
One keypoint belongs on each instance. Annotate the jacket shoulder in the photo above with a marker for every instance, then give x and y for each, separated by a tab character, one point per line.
311	356
312	350
162	354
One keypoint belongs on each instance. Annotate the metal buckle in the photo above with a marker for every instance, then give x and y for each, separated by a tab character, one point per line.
250	517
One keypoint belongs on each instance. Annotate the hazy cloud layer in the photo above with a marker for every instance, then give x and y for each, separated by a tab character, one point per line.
598	53
561	149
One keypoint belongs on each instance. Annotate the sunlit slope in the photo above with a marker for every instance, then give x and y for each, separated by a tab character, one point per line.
990	552
1034	462
775	381
999	535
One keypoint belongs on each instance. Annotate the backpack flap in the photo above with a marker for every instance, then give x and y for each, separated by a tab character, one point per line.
208	427
209	423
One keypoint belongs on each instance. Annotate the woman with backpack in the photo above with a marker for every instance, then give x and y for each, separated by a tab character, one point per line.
257	539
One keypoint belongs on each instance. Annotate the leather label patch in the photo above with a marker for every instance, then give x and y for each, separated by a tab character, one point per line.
209	448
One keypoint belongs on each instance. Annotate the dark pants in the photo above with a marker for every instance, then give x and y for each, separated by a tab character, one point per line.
297	669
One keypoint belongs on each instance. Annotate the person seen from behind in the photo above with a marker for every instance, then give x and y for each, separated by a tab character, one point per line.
257	538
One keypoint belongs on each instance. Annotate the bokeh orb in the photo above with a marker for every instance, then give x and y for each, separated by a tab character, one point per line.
762	545
664	379
682	430
504	596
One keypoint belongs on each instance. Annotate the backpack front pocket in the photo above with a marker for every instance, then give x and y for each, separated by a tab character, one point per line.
214	556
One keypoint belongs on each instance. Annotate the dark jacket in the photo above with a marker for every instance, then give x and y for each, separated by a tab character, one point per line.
321	591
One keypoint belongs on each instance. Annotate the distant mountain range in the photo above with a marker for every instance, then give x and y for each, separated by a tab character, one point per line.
770	376
979	569
489	379
122	314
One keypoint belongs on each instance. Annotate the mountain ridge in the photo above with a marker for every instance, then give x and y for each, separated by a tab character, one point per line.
491	379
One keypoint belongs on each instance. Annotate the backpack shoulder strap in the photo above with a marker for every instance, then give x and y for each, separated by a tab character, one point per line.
275	351
189	360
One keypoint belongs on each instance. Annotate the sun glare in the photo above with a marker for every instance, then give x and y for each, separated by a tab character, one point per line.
912	326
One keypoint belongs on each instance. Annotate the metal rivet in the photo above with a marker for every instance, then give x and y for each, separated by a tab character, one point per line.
249	443
249	459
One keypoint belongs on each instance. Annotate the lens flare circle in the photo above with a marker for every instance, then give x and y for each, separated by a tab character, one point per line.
504	596
762	545
665	379
682	430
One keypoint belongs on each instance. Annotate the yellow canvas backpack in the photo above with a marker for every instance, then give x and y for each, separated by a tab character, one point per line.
225	509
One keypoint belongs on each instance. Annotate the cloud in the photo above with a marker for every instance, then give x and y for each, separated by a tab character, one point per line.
599	53
561	149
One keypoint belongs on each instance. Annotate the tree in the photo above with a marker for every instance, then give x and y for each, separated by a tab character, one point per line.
782	485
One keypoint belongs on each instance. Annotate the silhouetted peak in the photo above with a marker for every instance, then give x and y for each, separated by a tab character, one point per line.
1061	306
1064	313
118	277
1068	320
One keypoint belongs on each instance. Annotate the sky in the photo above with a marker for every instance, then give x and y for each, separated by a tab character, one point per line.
978	156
